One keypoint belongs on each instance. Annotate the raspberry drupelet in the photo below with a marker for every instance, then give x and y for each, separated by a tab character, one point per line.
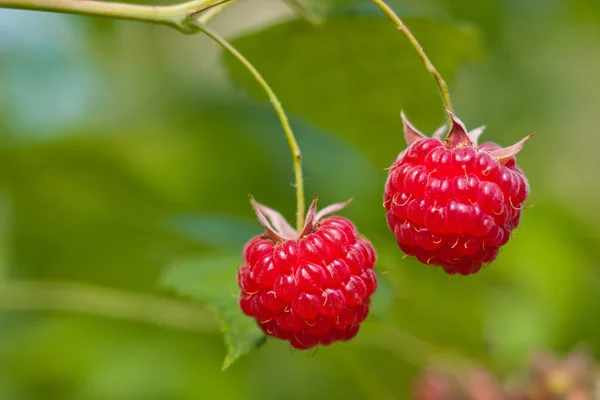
454	203
310	288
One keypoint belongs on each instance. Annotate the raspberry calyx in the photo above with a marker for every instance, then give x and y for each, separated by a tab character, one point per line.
312	287
451	202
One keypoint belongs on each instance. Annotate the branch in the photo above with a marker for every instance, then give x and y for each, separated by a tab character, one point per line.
176	16
106	302
285	124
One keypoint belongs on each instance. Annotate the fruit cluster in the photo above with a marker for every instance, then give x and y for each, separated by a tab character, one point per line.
452	203
312	288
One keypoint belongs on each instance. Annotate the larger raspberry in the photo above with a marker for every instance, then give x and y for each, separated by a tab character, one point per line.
312	288
453	203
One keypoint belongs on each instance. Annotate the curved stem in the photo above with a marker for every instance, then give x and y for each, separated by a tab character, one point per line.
107	302
289	134
175	16
415	44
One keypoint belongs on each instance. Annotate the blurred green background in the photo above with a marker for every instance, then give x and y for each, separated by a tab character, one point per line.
125	146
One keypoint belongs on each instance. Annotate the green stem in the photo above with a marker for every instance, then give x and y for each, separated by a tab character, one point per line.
295	149
415	44
176	16
106	302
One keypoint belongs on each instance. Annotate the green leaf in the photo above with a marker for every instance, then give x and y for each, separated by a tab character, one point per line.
354	73
211	279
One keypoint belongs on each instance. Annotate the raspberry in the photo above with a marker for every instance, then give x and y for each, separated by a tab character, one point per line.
310	288
453	203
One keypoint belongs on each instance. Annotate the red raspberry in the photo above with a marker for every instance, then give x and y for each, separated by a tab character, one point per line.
452	203
312	288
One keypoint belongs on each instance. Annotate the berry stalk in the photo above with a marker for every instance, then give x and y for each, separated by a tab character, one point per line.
287	129
415	44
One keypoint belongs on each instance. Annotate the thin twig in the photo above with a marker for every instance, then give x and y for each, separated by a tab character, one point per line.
106	302
415	44
289	134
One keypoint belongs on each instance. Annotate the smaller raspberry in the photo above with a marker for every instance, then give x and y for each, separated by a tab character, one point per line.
453	203
310	288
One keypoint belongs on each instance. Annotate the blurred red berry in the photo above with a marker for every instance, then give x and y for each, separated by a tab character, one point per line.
474	383
310	288
573	377
434	385
454	203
